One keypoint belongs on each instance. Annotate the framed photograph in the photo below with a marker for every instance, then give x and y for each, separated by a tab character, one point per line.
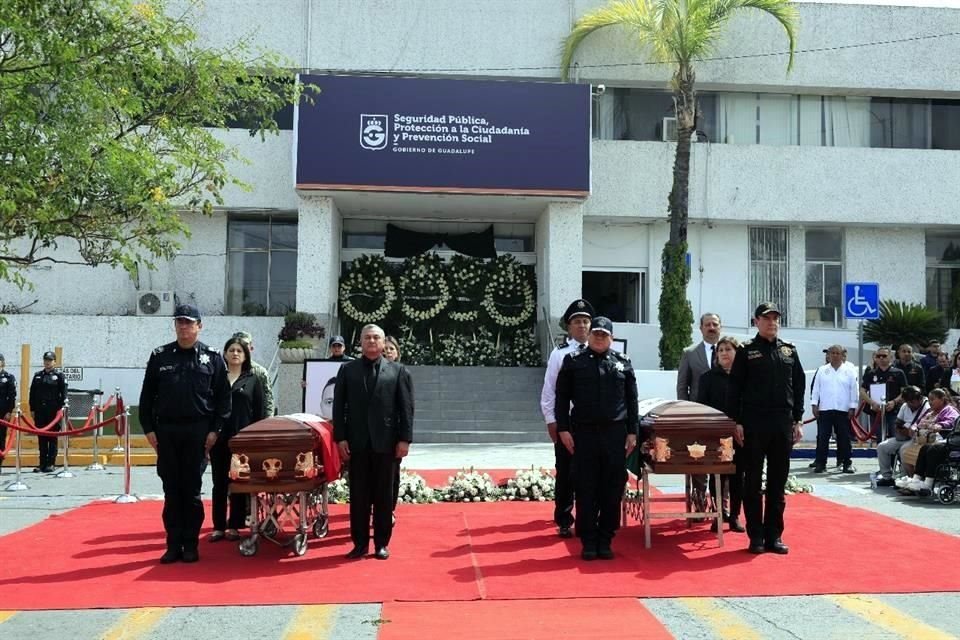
619	344
320	376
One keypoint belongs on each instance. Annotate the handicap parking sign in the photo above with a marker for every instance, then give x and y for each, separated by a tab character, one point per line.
861	300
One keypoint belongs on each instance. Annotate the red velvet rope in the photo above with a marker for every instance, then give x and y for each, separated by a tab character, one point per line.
11	437
29	423
858	431
120	411
57	434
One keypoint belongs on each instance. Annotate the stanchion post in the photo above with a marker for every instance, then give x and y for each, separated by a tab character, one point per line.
96	464
64	424
18	484
126	497
118	448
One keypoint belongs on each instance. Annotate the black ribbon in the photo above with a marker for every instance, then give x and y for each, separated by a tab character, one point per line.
405	243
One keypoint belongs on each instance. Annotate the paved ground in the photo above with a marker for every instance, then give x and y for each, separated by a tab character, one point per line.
860	616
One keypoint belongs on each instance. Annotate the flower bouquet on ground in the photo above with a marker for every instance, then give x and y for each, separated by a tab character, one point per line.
414	489
530	485
338	491
469	485
795	486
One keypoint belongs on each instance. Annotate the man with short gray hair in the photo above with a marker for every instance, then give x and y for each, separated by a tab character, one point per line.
260	371
834	399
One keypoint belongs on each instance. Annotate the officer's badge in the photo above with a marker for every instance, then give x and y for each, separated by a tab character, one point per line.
619	366
3	379
204	358
53	377
581	305
787	351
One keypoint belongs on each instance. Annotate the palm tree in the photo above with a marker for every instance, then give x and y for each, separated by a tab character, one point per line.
679	33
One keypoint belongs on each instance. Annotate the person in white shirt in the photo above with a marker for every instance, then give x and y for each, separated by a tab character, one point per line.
577	320
914	407
834	397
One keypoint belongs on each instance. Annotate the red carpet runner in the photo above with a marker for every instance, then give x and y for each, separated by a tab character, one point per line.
105	555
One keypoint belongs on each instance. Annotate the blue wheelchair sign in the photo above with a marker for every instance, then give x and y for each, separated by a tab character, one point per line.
861	300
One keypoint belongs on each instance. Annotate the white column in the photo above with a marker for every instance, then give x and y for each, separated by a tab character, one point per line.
797	276
318	257
559	239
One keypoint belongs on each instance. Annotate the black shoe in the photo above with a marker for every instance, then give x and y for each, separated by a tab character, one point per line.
382	553
812	465
589	553
605	553
36	469
924	492
170	556
756	547
736	526
778	547
564	532
820	469
356	552
190	555
849	468
886	482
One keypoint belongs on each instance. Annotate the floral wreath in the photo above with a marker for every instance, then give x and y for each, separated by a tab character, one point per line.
467	276
367	279
509	286
423	280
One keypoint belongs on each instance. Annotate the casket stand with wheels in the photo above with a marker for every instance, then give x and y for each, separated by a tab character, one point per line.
283	463
683	438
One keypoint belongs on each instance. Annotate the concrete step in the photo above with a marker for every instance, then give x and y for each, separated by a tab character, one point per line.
82	458
470	436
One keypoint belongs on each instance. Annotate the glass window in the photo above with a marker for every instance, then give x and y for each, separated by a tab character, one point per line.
638	114
900	123
261	266
824	273
943	275
769	269
945	124
618	295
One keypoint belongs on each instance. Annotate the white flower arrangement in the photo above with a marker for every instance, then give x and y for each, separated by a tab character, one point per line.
530	485
338	491
423	280
414	489
469	486
508	286
467	277
367	279
795	486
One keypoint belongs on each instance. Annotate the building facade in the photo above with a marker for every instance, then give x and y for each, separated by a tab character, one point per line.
847	168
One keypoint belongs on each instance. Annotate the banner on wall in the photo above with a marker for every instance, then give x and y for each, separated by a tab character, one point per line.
431	135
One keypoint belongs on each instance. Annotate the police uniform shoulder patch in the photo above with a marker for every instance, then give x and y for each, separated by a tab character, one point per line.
746	343
576	353
786	350
622	356
158	350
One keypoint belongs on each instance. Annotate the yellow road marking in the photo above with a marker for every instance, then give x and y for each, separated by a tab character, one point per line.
890	618
6	615
136	624
312	622
725	625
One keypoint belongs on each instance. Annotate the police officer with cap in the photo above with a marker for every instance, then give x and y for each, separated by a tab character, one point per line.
766	397
600	431
48	393
8	401
338	348
577	321
183	405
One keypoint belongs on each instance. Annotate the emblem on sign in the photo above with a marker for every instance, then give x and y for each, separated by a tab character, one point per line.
373	131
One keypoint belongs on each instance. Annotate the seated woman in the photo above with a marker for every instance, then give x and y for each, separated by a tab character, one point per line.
939	421
913	410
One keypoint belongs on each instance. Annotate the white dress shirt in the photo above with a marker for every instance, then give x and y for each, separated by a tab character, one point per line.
548	396
709	349
835	389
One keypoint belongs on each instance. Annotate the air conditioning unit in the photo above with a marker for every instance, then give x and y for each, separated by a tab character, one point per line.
155	303
668	131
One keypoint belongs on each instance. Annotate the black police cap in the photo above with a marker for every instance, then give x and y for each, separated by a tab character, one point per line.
187	312
48	355
578	308
338	340
601	323
766	308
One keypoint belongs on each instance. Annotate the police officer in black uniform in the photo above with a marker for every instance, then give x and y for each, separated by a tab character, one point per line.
767	386
183	405
8	401
48	392
338	350
604	421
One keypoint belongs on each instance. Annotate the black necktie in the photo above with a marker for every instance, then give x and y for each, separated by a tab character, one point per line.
713	356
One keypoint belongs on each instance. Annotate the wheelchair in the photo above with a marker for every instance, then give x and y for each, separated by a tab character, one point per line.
946	484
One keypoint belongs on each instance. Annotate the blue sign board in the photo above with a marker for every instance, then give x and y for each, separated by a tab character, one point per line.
861	300
444	136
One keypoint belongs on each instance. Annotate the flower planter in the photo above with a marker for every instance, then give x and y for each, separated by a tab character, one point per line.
297	355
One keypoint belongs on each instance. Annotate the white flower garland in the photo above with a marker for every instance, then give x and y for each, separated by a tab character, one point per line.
531	485
367	277
466	276
469	486
507	281
423	279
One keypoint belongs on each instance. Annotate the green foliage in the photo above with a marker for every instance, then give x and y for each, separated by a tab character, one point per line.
108	111
675	315
298	325
905	323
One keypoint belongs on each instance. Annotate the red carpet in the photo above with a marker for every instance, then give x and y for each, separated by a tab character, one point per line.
104	555
529	620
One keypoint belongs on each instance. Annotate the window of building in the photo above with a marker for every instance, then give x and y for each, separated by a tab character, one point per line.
769	269
824	271
639	114
261	265
900	123
618	295
943	275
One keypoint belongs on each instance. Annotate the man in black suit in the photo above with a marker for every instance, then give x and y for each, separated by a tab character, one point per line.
373	427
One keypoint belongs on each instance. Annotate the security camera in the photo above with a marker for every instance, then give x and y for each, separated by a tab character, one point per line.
600	89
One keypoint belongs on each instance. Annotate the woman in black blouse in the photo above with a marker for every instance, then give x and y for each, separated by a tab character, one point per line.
712	391
249	406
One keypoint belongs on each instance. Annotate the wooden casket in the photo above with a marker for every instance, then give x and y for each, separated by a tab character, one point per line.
687	438
284	450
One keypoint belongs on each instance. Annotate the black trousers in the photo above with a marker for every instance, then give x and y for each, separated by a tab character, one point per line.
733	485
772	441
599	462
180	465
930	457
371	487
46	444
220	470
396	484
563	492
833	422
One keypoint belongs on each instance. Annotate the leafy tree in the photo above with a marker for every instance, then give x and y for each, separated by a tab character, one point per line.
904	323
108	111
678	33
